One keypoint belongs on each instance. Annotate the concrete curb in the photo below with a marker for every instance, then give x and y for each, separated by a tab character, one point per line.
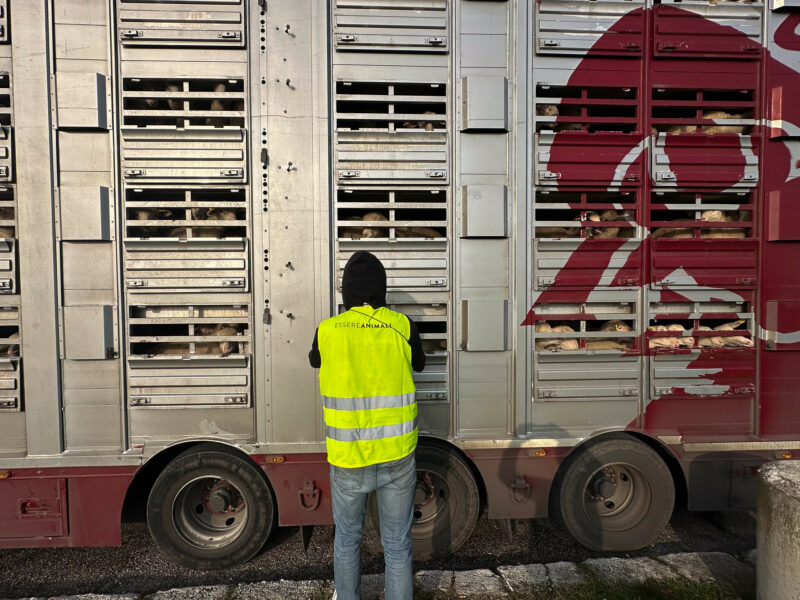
507	583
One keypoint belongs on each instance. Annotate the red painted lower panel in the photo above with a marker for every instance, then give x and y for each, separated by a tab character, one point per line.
302	488
79	506
530	476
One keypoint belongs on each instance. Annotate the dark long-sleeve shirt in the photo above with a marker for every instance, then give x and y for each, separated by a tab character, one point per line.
417	353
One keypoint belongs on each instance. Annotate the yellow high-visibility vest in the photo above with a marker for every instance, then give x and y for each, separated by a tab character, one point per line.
366	385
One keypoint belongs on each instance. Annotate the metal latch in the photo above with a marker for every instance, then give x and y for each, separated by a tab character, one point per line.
140	400
233	283
632	177
668	281
130	33
750	177
520	489
627	392
744	280
235	399
349	174
308	496
434	41
436	282
8	403
3	171
546	280
33	507
549	43
229	35
137	283
665	176
435	174
666	47
267	318
5	284
548	394
662	391
231	172
348	38
631	46
135	172
549	175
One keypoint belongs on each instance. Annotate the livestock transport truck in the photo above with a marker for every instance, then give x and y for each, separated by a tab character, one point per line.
590	208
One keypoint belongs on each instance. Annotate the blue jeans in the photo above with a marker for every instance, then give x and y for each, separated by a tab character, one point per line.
394	483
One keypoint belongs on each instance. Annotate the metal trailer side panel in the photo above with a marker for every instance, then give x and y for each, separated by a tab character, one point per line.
35	184
295	118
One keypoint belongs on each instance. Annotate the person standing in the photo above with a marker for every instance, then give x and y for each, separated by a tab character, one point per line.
365	356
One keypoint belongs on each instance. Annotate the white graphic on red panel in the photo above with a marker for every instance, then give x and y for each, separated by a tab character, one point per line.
717	152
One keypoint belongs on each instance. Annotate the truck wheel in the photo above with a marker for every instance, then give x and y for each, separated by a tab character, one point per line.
210	508
615	495
446	504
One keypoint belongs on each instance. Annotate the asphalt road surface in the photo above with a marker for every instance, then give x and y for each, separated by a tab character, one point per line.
138	566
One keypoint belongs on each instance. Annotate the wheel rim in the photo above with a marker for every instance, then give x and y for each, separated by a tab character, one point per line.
432	503
209	512
616	497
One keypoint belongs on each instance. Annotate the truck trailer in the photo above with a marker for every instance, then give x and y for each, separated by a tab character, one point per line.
590	209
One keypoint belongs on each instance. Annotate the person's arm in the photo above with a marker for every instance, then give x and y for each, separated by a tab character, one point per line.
314	359
417	353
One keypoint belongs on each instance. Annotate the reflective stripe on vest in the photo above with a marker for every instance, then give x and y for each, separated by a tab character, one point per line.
369	402
367	390
370	433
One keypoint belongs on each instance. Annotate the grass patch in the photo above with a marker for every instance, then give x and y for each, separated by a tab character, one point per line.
667	589
322	591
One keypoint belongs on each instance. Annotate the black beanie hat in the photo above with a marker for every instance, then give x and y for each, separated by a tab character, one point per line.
364	281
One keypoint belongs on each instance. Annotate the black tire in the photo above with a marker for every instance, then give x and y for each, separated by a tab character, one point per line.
210	508
446	504
614	495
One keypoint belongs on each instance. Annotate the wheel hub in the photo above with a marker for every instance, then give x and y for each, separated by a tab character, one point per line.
616	497
603	485
222	498
209	512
